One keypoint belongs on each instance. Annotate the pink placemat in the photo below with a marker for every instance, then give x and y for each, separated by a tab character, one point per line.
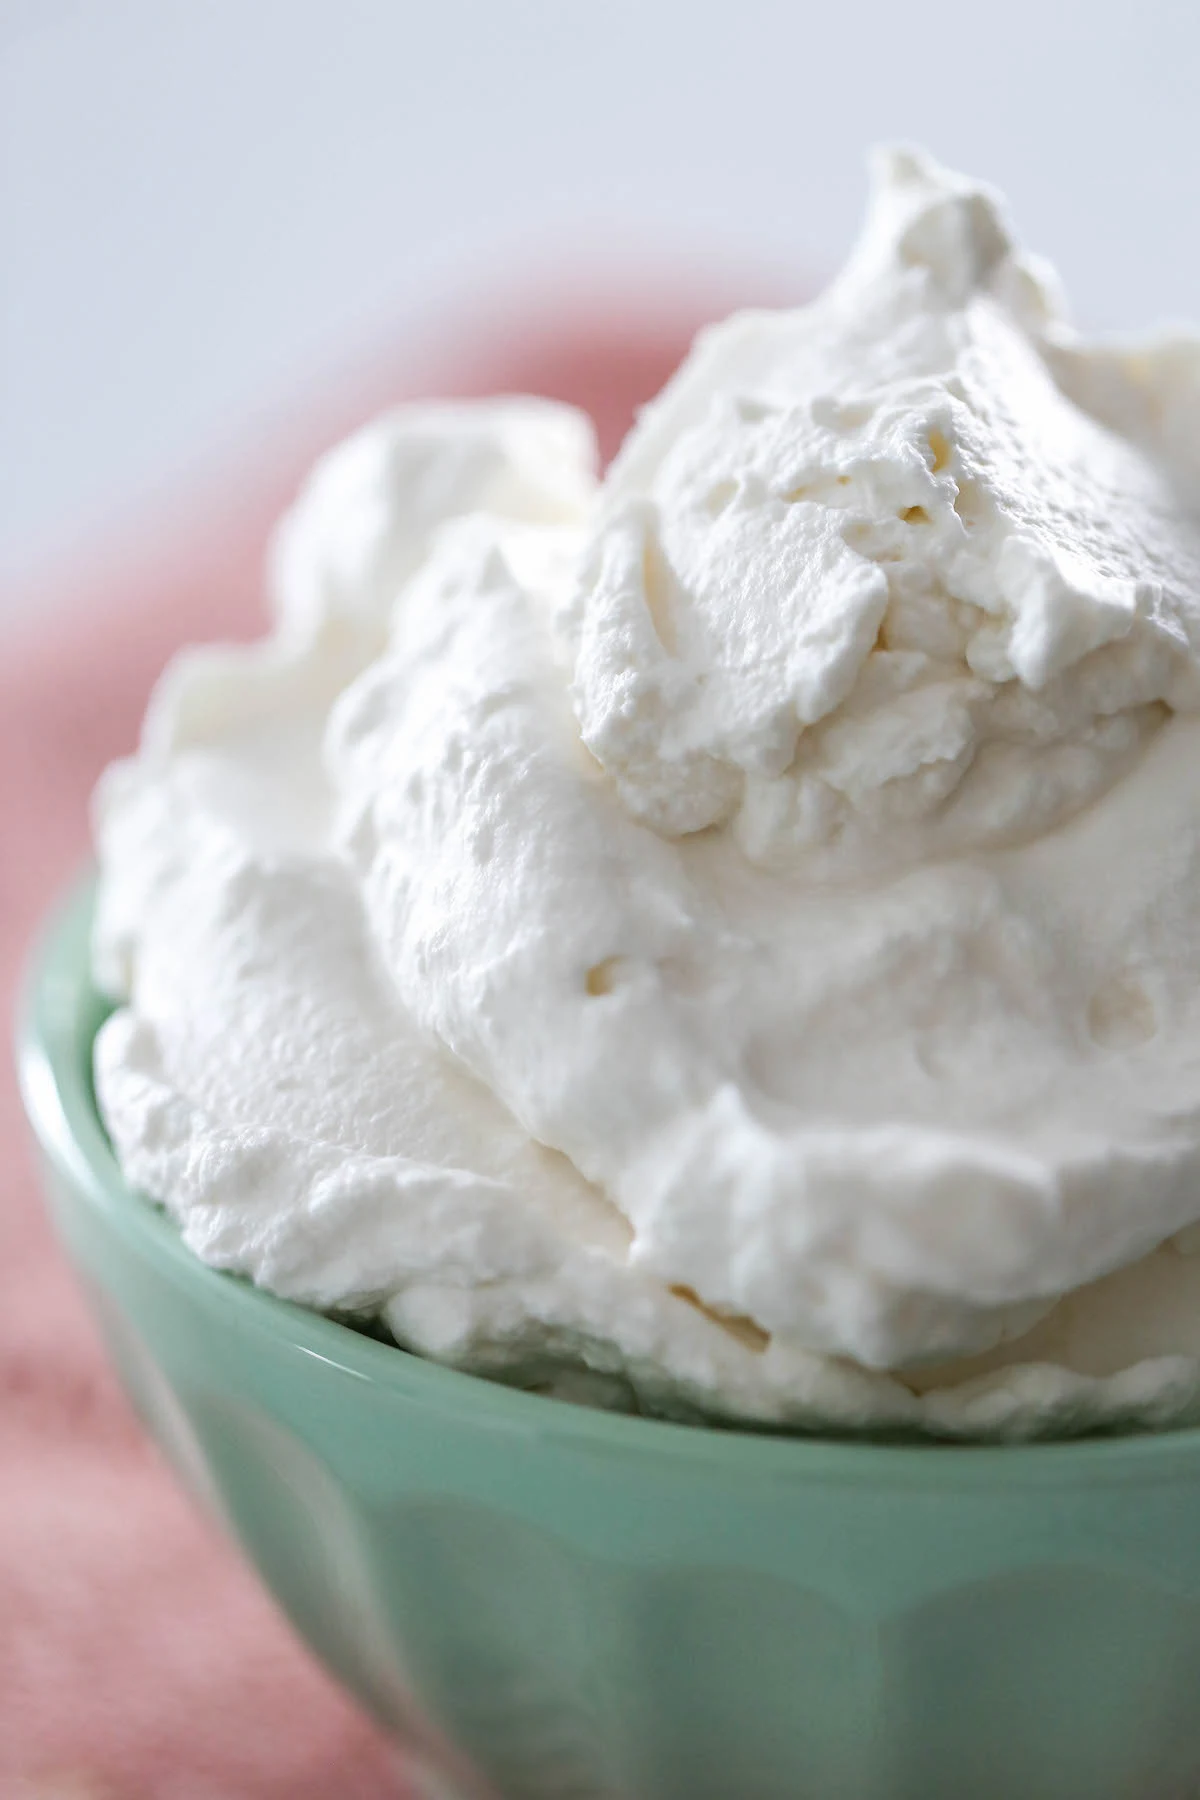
139	1659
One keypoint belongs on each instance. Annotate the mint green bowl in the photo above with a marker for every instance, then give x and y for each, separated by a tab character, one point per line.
543	1601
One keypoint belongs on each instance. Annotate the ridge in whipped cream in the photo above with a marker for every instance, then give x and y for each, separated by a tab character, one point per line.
723	938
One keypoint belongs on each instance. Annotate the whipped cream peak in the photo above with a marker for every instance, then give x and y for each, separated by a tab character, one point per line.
923	217
372	505
731	926
869	585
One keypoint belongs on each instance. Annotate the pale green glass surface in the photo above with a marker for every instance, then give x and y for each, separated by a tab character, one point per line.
548	1603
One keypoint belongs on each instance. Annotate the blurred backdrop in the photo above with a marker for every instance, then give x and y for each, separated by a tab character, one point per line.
213	208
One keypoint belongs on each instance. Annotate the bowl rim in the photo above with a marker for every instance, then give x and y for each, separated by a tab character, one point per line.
59	1011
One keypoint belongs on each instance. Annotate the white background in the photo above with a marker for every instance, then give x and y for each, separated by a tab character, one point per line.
206	205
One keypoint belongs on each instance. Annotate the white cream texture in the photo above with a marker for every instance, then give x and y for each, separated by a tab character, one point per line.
725	938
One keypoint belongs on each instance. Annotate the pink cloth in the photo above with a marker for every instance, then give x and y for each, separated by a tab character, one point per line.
139	1659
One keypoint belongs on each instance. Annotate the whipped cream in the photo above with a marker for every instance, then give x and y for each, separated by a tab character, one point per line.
724	938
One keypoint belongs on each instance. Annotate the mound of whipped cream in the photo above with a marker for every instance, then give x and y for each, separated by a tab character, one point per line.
723	939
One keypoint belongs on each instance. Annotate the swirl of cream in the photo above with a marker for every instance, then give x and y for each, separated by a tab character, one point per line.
759	891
